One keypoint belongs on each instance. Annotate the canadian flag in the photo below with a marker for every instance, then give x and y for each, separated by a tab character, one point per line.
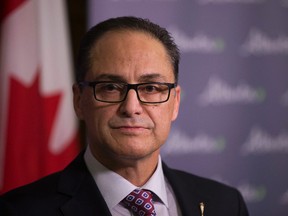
38	128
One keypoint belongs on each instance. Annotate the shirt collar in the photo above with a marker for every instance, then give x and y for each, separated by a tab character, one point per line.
157	183
114	187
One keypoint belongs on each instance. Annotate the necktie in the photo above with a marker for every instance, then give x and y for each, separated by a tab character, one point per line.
140	202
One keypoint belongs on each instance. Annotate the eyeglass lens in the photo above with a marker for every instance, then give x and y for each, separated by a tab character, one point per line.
116	92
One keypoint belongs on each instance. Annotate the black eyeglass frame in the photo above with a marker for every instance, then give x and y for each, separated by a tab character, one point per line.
128	86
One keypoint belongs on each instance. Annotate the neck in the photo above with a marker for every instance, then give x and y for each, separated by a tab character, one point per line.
139	172
135	170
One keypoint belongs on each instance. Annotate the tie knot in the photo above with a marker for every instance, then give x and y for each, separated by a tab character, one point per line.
140	202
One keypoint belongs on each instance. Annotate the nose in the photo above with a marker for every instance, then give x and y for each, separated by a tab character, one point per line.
131	105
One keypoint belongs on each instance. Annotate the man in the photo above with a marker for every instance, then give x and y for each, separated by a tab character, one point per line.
127	95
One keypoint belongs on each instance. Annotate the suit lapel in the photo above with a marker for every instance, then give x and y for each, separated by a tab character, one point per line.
85	197
186	193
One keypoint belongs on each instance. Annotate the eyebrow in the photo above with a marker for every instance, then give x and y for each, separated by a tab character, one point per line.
110	77
143	78
151	77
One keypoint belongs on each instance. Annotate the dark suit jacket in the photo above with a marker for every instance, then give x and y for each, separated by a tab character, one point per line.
73	192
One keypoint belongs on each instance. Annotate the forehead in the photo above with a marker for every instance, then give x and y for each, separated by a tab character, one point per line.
126	51
127	42
119	35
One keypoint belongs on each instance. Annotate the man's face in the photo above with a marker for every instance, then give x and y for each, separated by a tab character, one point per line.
129	129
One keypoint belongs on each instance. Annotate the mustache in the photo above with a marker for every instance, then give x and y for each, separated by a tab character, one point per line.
130	122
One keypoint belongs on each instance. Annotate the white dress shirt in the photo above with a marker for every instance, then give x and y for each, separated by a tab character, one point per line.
114	188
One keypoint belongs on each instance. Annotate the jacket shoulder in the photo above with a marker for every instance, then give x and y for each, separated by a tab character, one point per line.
28	199
45	194
44	185
206	185
219	197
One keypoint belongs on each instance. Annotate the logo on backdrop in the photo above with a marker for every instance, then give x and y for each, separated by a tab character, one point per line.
258	43
199	43
285	3
143	0
252	193
260	142
181	143
284	198
218	92
284	99
229	1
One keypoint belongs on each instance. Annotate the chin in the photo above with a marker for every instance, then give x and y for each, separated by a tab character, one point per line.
138	153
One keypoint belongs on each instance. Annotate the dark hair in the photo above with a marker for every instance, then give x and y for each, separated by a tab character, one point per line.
124	23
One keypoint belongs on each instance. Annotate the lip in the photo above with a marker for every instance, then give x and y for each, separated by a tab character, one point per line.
128	129
130	126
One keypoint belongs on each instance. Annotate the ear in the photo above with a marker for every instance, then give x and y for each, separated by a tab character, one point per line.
77	101
176	102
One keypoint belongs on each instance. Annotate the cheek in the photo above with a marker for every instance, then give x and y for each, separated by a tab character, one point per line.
98	116
95	116
97	125
162	118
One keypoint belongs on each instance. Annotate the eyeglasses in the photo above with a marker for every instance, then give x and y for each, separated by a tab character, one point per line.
114	92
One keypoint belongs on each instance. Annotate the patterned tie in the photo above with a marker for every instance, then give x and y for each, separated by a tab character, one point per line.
140	202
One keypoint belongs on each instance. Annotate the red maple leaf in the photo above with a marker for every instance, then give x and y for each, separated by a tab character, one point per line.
30	120
8	6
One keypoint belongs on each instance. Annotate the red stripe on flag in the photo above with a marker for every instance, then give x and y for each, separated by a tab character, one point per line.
34	117
7	6
31	117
